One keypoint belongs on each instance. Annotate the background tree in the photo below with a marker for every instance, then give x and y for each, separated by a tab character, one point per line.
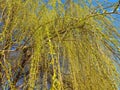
59	45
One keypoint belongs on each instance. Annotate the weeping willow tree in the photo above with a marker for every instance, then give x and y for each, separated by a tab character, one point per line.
59	45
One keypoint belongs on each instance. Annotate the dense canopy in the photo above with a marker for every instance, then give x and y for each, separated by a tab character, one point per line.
59	45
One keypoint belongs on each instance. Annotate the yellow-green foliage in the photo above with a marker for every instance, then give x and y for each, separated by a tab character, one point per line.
71	45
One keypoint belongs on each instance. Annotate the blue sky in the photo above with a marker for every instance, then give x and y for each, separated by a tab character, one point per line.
113	0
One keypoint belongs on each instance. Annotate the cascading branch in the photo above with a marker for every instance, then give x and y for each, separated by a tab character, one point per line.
51	45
